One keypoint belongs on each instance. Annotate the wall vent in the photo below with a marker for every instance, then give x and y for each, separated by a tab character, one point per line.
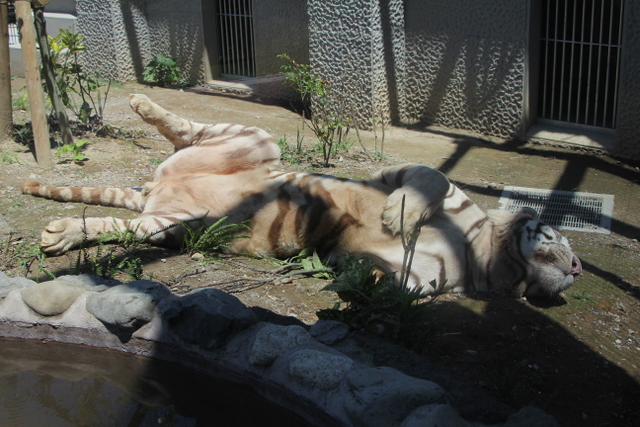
564	210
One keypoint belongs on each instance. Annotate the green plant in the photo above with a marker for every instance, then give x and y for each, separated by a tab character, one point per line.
74	150
23	134
289	153
210	239
581	295
163	71
26	254
331	128
9	158
123	256
311	264
21	102
74	82
378	305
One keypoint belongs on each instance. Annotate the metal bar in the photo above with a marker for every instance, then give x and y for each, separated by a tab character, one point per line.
223	37
563	46
608	76
590	62
545	64
555	57
599	69
617	75
573	45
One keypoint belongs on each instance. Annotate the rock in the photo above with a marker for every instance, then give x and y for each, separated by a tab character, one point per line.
7	284
208	317
319	369
385	397
273	340
51	298
329	332
435	415
127	306
530	416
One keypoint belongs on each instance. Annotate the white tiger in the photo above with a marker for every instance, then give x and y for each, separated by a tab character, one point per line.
230	170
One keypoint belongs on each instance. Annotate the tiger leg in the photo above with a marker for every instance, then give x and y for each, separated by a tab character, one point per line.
423	190
180	132
61	235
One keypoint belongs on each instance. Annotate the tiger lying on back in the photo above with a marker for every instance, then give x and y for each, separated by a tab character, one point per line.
230	170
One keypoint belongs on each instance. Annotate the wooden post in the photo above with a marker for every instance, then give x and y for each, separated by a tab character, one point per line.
6	110
49	73
34	84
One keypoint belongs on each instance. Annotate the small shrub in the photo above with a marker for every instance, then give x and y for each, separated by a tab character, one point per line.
379	306
74	150
330	128
85	95
163	71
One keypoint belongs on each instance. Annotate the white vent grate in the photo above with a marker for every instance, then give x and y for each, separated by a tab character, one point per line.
564	210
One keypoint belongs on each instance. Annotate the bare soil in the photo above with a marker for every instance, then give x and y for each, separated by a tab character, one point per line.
577	357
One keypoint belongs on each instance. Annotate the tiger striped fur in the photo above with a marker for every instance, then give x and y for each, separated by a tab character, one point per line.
231	170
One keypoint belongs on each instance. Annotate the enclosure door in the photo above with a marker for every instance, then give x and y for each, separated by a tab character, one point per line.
234	19
580	50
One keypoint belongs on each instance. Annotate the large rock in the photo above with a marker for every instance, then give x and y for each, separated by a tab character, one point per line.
384	397
7	284
319	369
208	317
273	340
127	306
51	298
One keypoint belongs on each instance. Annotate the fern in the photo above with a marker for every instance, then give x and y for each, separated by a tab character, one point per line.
209	239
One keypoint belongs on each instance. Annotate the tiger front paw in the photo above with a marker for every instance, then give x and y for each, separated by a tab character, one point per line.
61	235
144	107
405	219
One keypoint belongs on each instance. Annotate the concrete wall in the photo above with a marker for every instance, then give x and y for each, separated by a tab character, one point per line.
627	141
279	26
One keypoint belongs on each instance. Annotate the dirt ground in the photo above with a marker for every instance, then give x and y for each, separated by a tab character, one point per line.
577	358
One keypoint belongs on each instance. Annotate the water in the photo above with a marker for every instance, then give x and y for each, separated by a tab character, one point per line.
51	384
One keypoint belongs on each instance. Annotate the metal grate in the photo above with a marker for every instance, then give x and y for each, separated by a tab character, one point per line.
565	210
235	38
580	49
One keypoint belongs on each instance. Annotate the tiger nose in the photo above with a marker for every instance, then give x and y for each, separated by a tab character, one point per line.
576	266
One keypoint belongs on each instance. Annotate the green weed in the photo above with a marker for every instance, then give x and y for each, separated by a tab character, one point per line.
74	151
378	305
9	158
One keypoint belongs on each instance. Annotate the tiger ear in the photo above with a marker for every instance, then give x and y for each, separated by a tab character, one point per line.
526	213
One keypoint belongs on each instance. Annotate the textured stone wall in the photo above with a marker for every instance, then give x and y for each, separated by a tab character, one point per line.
457	64
465	64
341	42
123	36
627	141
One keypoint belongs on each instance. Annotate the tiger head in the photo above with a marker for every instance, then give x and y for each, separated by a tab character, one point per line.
538	259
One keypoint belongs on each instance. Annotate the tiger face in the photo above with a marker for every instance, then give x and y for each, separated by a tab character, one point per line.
552	265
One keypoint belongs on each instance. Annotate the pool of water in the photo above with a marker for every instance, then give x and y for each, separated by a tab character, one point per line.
51	384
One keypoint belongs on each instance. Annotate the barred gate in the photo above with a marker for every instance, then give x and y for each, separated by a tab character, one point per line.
580	49
235	38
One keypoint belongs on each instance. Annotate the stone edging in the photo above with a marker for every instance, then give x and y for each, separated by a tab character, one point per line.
292	366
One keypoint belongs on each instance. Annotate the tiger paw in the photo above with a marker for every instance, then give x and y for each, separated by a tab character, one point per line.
61	235
398	217
144	107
